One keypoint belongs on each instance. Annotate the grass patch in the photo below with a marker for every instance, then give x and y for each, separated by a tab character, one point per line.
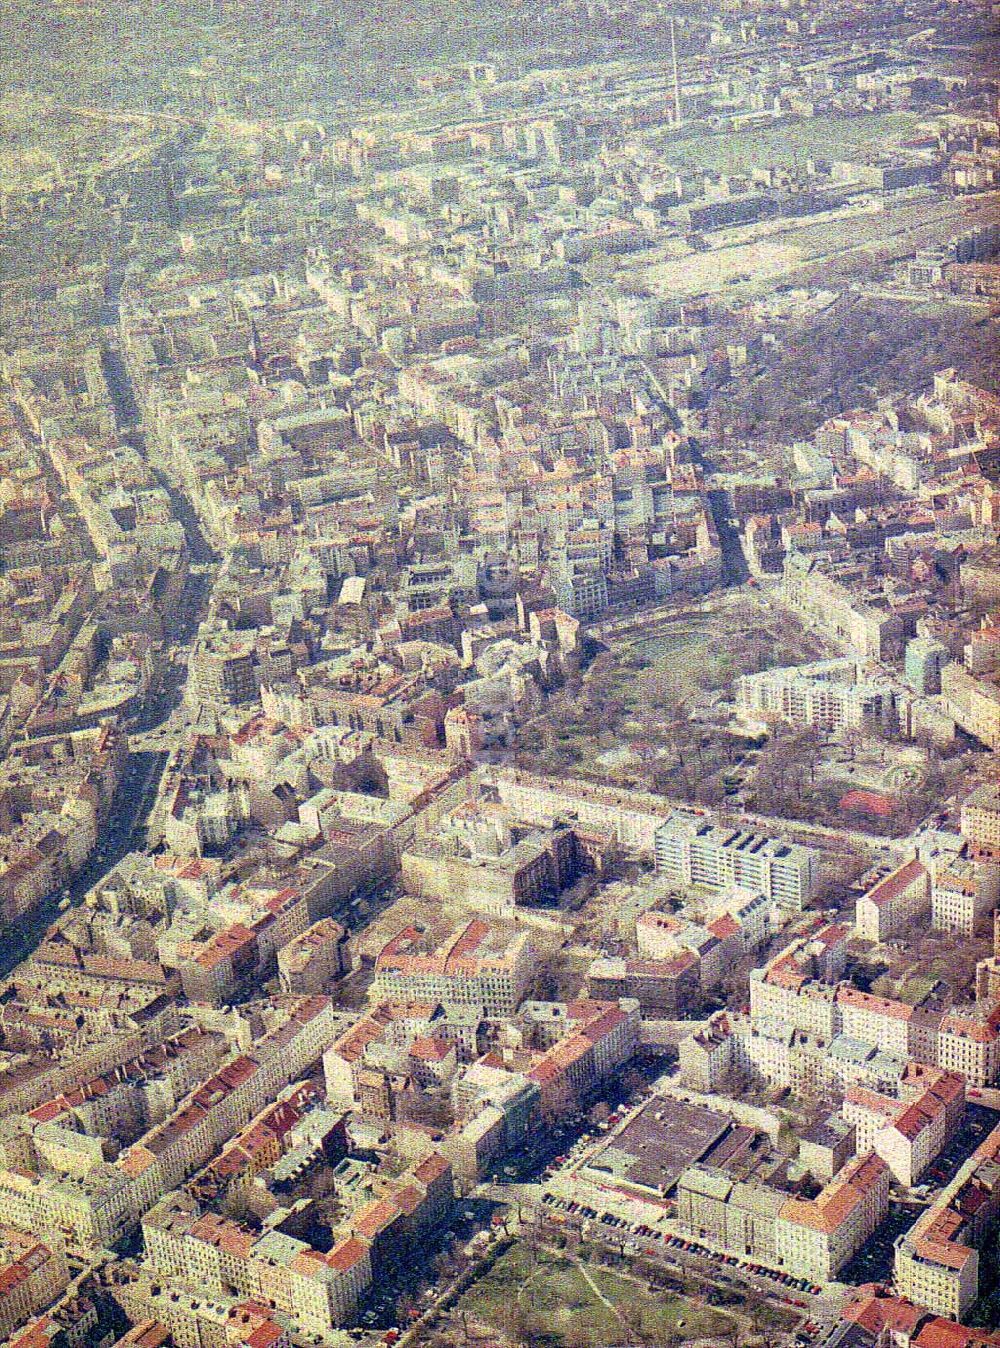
821	137
551	1297
915	989
663	1316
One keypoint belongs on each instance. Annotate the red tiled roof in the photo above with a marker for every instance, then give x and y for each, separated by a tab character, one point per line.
346	1255
941	1333
264	1335
898	882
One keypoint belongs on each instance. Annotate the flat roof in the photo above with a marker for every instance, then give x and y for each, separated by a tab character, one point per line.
657	1146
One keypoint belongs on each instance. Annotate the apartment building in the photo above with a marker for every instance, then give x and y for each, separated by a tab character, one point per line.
936	1262
141	1092
963	894
830	695
630	817
893	902
827	1146
581	587
662	987
597	1039
314	959
714	946
829	595
988	970
705	1058
477	857
973	702
736	1215
981	822
224	672
374	1062
969	1042
98	1206
692	850
476	966
810	1238
875	1020
907	1129
319	1291
32	1276
816	1237
785	993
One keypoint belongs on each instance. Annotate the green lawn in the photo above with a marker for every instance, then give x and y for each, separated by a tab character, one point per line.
666	1313
916	988
551	1298
820	137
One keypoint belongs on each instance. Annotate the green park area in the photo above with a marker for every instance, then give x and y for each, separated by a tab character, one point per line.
565	1303
786	141
647	712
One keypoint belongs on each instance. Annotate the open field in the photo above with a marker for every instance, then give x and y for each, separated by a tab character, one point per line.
788	141
560	1300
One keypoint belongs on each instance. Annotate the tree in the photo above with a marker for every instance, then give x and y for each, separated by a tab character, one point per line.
598	1114
235	1205
756	1308
577	1335
667	1336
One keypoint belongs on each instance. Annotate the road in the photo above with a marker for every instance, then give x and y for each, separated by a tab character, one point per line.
734	565
129	807
161	724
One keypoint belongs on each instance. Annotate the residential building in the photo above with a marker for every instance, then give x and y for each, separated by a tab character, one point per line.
937	1262
830	695
816	1237
692	850
476	966
32	1276
894	902
981	821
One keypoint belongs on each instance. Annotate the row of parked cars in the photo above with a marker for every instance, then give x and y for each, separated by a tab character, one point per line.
762	1270
571	1205
643	1231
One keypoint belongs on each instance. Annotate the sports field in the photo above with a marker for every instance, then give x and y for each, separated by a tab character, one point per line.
786	141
